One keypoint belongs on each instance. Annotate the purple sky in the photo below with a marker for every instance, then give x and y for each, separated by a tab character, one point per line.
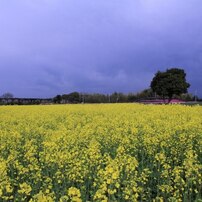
50	47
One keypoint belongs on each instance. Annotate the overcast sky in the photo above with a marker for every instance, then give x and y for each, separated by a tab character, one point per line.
50	47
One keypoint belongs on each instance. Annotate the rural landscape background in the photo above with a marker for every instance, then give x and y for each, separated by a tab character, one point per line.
100	101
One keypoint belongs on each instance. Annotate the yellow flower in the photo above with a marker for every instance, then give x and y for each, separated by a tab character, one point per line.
9	189
25	189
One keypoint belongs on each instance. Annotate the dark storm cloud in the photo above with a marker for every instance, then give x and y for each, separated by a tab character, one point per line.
51	47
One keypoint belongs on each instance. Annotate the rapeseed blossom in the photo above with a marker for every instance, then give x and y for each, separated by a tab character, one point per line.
115	152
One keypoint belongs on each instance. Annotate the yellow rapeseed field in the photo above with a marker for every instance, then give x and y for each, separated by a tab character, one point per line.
112	152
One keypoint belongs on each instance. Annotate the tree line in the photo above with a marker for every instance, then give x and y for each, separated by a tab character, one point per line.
164	85
116	97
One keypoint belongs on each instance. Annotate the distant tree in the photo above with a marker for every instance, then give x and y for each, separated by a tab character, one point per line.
169	83
73	97
7	95
131	97
96	98
122	98
187	97
65	98
114	97
145	94
57	99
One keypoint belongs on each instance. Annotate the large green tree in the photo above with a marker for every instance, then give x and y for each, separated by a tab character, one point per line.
169	83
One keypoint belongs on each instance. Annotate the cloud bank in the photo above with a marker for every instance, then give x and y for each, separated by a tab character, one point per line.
59	46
